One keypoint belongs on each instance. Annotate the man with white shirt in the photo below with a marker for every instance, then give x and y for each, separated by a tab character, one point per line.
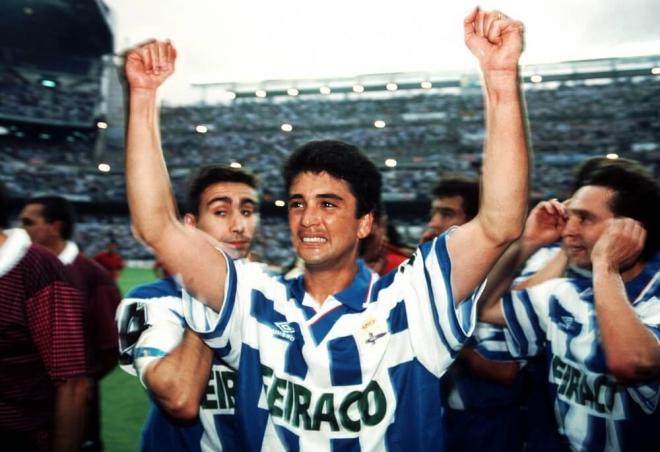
49	221
43	362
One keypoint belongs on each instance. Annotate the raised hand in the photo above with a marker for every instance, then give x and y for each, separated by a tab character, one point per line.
545	223
620	244
495	39
149	65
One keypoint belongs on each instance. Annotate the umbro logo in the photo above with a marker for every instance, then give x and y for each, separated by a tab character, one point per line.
284	330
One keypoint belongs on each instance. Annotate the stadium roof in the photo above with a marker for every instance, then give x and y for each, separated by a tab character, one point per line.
74	27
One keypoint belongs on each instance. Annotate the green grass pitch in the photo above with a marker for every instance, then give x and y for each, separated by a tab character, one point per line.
124	402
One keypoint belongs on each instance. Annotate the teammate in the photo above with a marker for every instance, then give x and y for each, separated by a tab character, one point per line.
43	382
173	362
600	335
334	359
49	221
482	398
455	202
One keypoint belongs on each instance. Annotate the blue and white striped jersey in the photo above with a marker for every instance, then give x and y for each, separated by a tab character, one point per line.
359	372
151	325
558	318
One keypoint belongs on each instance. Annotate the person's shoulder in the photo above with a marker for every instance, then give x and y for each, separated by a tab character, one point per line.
41	261
166	287
92	268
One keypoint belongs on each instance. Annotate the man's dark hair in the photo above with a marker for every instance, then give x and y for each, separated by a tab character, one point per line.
589	166
465	187
4	207
57	208
636	195
341	161
215	174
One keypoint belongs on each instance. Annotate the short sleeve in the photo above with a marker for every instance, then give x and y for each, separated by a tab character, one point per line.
439	326
526	313
55	316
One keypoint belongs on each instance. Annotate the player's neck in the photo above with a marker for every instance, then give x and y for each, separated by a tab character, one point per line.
321	283
3	238
57	246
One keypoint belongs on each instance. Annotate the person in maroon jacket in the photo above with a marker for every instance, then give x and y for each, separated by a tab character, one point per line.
49	220
43	361
111	260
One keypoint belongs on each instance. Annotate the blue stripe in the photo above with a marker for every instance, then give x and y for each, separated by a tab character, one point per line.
445	268
436	320
381	284
596	436
146	352
533	317
223	351
289	439
418	423
398	319
263	310
230	298
322	327
294	361
345	368
181	318
345	445
252	420
514	326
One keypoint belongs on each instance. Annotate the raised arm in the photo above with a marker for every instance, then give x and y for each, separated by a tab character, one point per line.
497	43
632	352
183	250
544	226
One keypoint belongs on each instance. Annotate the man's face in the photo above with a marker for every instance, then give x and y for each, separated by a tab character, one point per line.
324	229
34	223
228	213
588	212
445	213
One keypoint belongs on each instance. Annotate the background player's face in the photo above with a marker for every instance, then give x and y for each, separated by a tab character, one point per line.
588	212
34	223
445	213
228	213
324	229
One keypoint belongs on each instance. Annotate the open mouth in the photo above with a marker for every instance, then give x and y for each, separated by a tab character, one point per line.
313	240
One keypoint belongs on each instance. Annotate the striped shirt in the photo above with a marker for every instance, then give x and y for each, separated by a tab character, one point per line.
359	372
558	319
151	325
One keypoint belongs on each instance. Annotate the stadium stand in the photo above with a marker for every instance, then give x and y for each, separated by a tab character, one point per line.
429	132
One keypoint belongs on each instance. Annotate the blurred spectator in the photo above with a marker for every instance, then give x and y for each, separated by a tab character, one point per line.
111	260
43	368
49	221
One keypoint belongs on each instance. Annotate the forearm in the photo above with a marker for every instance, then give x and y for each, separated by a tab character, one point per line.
178	380
148	187
555	268
501	278
632	352
505	166
503	372
70	405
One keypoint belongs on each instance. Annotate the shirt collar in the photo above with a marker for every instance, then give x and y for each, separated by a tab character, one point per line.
13	250
69	253
355	296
